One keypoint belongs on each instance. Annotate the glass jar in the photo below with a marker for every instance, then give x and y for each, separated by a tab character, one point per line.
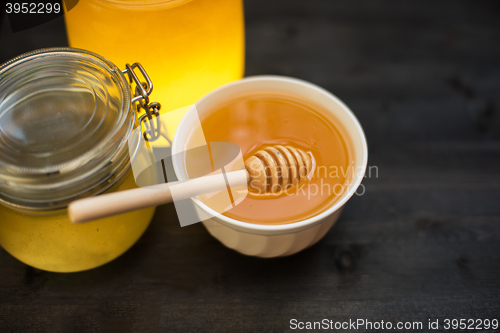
190	47
66	116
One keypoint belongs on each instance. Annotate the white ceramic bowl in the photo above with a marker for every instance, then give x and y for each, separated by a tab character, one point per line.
284	239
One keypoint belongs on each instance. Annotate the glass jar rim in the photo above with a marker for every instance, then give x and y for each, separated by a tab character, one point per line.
97	162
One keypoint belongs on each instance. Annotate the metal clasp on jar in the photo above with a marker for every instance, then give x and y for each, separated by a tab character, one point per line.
142	92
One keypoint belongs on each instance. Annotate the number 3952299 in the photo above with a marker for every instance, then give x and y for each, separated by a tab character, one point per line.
32	8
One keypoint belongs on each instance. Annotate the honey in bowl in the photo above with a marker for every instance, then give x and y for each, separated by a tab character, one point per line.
267	119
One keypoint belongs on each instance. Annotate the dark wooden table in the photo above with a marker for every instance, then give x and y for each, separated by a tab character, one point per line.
422	244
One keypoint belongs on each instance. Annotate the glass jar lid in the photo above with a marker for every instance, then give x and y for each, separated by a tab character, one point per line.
65	118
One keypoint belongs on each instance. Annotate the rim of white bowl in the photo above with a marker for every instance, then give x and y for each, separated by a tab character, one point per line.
288	227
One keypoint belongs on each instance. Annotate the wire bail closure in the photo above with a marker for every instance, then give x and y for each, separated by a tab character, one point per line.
141	99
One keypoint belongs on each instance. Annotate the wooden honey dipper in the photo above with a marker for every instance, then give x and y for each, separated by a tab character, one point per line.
269	171
273	169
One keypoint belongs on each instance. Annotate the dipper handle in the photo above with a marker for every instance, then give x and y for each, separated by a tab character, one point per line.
269	171
108	204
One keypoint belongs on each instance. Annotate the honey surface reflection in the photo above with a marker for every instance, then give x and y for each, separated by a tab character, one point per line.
258	121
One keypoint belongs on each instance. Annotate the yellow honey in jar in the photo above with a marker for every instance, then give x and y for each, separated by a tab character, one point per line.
190	47
55	244
65	122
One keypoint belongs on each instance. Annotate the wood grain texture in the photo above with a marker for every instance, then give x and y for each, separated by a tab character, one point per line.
422	243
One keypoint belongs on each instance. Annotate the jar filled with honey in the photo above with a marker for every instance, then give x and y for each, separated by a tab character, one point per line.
66	117
190	47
